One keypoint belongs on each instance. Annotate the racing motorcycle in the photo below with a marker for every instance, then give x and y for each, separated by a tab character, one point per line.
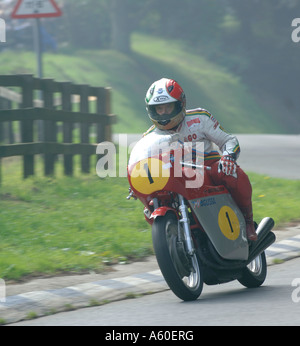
198	231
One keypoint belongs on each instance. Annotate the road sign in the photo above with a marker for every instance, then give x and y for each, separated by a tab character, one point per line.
35	9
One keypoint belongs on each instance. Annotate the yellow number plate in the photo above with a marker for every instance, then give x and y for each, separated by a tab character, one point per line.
150	175
229	223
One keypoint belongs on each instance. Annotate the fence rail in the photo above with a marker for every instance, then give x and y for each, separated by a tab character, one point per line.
63	123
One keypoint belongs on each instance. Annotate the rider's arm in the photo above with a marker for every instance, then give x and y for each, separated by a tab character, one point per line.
227	143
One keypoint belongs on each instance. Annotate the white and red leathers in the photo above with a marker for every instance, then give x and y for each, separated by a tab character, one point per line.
199	125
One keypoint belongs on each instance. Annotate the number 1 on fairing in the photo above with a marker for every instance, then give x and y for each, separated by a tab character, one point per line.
148	173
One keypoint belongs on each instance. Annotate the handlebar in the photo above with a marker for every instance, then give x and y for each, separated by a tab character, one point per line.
187	164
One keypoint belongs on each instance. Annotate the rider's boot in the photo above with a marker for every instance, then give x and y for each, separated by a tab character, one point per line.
250	228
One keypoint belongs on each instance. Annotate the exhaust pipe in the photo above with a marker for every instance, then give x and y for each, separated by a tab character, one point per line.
264	238
269	240
264	228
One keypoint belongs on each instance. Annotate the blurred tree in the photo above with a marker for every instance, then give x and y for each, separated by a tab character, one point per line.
86	24
272	58
122	24
102	23
191	20
109	23
127	16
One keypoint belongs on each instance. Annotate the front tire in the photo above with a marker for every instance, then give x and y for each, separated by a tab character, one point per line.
181	271
255	273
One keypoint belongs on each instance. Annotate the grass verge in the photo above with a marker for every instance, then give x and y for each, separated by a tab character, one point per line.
275	197
67	224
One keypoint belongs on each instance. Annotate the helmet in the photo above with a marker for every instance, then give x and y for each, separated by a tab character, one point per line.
161	92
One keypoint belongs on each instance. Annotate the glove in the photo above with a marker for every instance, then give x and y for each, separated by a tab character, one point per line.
227	165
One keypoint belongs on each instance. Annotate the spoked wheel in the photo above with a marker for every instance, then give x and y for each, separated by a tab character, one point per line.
255	273
181	271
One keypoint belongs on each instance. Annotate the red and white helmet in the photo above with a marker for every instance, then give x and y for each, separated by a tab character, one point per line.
161	92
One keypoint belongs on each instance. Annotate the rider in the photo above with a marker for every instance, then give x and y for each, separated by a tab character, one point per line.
166	107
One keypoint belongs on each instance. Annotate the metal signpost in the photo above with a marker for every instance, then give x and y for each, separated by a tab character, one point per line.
36	9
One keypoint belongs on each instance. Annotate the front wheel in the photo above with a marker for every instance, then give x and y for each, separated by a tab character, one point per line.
181	271
255	273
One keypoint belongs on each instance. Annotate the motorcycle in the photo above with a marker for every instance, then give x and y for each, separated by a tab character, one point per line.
198	231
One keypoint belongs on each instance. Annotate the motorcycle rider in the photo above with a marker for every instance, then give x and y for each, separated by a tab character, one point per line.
166	107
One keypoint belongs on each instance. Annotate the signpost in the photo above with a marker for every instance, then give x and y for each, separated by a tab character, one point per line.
36	9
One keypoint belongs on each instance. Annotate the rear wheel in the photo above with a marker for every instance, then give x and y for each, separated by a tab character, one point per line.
181	271
255	273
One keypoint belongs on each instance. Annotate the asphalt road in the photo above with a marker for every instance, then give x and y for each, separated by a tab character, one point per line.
273	155
277	302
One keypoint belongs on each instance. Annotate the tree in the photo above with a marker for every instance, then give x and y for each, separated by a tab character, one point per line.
85	24
121	24
125	18
264	41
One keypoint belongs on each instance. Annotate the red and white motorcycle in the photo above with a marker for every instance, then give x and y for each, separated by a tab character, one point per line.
198	232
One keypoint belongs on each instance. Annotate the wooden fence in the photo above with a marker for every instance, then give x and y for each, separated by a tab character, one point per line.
43	116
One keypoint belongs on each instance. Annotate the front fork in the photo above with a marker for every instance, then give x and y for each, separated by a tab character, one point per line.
184	220
186	226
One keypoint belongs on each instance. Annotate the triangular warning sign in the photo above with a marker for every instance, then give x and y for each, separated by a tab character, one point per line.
36	9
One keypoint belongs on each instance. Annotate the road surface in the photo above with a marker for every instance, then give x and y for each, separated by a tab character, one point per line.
277	302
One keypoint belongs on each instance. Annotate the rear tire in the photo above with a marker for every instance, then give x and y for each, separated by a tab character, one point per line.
255	273
182	272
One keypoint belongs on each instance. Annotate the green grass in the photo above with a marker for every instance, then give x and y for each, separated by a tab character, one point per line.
206	84
59	225
67	224
274	197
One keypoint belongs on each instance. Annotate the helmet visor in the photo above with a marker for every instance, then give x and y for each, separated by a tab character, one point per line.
165	116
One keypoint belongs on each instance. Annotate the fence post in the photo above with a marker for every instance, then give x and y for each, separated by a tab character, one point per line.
103	107
48	126
66	91
11	135
27	125
2	125
6	128
108	128
84	127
